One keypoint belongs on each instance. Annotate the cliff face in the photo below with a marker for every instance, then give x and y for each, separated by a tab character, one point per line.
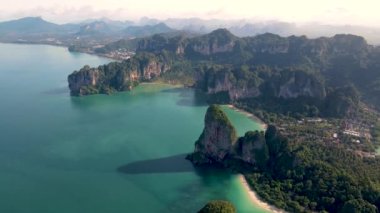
268	43
153	69
340	44
116	76
85	77
294	67
218	143
213	48
158	43
224	82
288	84
252	148
216	140
218	41
300	84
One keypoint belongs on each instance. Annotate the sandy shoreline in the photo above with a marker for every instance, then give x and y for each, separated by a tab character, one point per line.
255	198
263	125
252	194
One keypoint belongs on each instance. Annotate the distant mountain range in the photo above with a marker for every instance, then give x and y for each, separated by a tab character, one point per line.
147	30
30	28
112	30
34	25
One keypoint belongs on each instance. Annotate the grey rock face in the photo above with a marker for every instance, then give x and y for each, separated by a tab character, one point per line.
85	77
115	76
216	140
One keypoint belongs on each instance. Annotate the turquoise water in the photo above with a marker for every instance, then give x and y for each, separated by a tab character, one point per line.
117	153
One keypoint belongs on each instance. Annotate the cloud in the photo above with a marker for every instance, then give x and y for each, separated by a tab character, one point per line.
216	13
362	12
69	14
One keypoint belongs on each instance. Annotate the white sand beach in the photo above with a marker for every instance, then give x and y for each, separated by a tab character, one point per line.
250	115
255	198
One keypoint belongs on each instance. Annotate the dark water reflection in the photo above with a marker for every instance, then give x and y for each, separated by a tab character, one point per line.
217	180
172	164
188	96
57	91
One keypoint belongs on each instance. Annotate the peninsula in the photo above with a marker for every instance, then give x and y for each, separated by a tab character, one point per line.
293	176
319	150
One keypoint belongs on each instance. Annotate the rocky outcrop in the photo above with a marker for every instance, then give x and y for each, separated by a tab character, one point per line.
224	82
153	69
301	84
216	140
218	41
86	77
213	48
269	43
218	143
116	76
252	148
159	43
283	68
287	85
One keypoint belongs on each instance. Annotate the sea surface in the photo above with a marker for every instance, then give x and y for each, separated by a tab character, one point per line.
118	153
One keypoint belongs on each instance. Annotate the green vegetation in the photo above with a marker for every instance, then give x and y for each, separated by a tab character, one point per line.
320	158
341	101
117	76
357	206
302	177
217	138
218	206
302	173
259	150
147	30
376	134
123	44
216	114
304	75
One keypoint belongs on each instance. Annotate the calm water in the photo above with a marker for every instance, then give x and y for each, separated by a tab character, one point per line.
118	153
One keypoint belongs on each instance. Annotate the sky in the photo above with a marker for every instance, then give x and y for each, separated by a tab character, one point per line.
341	12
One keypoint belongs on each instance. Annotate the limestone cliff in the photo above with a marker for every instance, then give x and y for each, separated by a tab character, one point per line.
218	41
216	140
225	83
117	76
218	143
277	68
252	148
300	84
159	43
86	77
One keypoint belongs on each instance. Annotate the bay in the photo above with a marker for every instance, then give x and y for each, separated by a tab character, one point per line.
117	153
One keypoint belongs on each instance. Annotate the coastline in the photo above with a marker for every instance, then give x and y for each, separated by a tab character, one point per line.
263	125
250	192
63	46
256	199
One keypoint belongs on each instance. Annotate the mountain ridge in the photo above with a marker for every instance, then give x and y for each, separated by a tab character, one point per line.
229	68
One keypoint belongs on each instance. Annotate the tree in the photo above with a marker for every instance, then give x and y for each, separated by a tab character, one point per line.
358	206
218	206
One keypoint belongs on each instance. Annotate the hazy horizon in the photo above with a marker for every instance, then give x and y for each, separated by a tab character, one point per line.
336	12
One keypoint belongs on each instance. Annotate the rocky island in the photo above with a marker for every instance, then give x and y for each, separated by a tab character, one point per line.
219	145
217	139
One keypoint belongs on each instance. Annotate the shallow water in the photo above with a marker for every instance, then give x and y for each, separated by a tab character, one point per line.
118	153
